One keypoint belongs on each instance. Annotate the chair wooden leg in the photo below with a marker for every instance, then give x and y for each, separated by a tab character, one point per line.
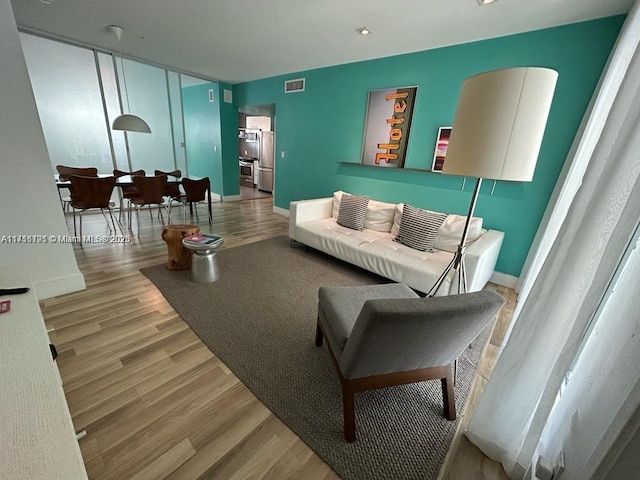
348	407
319	336
448	396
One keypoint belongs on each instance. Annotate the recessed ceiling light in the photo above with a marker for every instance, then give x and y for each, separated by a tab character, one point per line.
363	31
486	2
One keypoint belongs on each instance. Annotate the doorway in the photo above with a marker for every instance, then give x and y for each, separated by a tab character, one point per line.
256	151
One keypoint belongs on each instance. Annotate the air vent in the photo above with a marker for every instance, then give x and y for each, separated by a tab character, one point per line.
295	85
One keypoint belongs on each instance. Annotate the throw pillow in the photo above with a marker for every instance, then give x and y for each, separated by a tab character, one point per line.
353	211
379	216
335	208
450	232
397	216
418	228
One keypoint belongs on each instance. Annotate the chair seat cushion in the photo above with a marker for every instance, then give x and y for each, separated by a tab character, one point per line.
340	306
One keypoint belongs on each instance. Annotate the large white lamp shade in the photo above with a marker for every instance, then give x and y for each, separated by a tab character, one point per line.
496	134
499	124
130	123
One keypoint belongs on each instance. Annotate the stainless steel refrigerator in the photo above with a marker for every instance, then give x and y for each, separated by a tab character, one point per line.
265	162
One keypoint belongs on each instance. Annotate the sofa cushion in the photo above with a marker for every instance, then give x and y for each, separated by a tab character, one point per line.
379	216
397	215
353	211
337	196
450	232
419	228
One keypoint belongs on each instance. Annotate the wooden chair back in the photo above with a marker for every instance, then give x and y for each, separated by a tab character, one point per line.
175	173
172	189
151	189
121	173
128	191
65	172
91	192
196	190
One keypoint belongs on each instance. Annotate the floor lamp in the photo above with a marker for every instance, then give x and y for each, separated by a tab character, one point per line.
496	134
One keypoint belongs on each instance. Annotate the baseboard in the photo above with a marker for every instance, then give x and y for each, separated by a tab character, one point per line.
231	198
281	211
504	279
215	197
59	286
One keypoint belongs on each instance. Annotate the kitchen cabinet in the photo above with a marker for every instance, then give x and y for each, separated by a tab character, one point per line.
262	123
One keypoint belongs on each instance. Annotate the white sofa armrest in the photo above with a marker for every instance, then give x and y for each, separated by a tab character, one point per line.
480	260
303	211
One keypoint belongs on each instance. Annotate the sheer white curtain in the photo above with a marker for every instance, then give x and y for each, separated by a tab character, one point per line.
548	331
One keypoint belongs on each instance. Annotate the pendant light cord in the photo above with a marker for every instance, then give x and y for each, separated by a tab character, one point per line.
124	79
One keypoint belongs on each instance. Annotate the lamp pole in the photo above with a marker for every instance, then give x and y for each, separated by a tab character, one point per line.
457	262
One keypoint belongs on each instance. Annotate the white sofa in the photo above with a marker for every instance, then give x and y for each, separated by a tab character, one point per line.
314	224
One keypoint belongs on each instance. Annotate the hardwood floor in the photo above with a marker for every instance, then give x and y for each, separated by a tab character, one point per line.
154	400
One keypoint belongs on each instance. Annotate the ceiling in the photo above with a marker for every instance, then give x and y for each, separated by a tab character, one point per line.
240	40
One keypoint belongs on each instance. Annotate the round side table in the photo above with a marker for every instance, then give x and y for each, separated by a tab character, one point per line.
179	258
204	263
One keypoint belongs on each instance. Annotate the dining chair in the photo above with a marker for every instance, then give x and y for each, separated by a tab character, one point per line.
64	172
172	189
151	190
93	193
196	191
127	191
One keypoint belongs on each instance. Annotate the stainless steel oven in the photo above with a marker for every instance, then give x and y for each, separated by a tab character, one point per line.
247	171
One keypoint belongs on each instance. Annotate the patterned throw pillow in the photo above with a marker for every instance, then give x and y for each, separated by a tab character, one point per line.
419	228
353	211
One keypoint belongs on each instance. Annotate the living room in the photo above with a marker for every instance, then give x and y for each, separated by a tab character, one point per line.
331	113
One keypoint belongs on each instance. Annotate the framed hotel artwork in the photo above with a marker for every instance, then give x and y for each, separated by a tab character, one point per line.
387	126
442	143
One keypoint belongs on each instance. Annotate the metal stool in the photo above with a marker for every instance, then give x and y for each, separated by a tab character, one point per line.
204	263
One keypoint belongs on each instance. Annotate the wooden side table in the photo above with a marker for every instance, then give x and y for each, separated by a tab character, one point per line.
179	256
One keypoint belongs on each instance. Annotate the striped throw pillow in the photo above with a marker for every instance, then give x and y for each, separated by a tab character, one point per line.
419	228
353	211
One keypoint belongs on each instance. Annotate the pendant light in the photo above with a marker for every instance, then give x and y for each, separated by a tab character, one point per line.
127	121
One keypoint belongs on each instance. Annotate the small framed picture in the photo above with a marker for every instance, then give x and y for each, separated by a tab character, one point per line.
441	149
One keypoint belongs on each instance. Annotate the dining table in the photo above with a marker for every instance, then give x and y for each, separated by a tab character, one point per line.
127	181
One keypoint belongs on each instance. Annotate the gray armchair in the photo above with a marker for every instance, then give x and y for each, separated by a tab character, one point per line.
386	335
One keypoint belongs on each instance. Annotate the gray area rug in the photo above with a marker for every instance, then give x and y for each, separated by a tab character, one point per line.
259	318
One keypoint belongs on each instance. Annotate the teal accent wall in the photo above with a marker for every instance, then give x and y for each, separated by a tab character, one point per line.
324	126
211	137
202	134
229	134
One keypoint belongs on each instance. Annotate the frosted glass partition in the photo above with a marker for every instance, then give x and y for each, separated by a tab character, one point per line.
175	98
148	98
112	103
67	93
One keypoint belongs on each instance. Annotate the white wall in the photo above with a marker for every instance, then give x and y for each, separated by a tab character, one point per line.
593	422
29	202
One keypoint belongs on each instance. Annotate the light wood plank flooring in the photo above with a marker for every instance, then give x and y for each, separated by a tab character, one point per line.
154	400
